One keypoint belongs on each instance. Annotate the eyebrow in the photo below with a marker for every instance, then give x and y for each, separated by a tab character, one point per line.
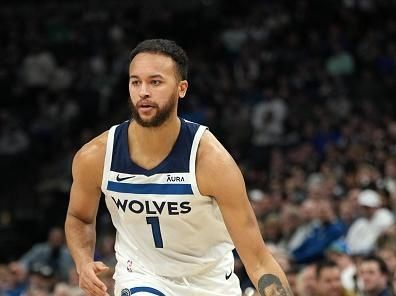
150	76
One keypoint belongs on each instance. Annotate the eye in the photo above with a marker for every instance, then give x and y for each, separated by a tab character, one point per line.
155	82
135	82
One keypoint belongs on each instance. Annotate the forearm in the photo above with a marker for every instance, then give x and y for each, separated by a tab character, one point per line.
81	238
270	280
270	285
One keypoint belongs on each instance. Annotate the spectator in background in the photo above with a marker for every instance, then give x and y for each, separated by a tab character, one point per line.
105	250
8	285
71	287
13	280
309	221
328	277
394	282
374	277
387	253
314	185
338	252
328	230
306	281
290	221
53	253
291	275
260	202
37	69
374	221
267	120
271	228
390	176
340	62
13	138
281	257
40	281
347	212
62	289
386	248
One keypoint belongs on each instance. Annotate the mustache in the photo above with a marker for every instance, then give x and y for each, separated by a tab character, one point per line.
146	102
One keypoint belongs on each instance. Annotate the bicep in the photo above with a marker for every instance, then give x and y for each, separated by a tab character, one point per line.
83	203
85	190
239	218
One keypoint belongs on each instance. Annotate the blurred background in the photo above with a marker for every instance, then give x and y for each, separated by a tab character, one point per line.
302	94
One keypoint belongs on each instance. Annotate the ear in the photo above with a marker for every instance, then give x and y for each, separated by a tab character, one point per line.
183	85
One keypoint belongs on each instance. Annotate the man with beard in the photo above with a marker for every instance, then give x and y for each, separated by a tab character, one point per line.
176	197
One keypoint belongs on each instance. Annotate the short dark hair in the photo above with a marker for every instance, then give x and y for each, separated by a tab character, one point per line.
166	47
326	263
381	263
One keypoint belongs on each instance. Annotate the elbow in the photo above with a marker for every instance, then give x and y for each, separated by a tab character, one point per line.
73	219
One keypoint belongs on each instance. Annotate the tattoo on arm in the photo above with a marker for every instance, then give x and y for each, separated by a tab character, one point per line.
270	285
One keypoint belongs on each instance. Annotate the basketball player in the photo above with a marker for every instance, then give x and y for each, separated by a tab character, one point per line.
176	197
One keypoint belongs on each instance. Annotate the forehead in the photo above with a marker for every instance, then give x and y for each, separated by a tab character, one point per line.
329	272
146	64
369	265
388	252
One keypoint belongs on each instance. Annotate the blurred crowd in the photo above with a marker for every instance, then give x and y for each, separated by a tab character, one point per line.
300	92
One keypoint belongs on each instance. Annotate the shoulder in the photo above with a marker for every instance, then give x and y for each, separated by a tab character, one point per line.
215	166
358	224
211	151
383	216
90	157
39	247
94	146
94	150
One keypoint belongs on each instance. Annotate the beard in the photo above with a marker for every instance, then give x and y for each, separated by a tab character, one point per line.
161	115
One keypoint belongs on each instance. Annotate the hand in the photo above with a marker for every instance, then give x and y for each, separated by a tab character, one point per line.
89	281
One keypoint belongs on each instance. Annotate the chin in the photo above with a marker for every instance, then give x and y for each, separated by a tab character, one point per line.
149	122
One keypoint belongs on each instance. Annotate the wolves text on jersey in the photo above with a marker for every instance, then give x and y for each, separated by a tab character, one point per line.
153	207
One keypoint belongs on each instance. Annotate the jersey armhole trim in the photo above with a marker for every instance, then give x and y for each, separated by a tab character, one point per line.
108	158
193	159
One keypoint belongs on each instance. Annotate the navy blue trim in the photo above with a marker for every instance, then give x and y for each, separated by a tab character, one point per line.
177	161
150	188
156	229
146	289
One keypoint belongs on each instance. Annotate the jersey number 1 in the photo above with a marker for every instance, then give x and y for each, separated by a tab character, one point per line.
155	228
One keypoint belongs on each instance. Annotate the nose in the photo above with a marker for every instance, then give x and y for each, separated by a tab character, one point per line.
144	91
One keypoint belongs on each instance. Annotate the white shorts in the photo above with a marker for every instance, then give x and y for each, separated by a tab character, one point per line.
213	283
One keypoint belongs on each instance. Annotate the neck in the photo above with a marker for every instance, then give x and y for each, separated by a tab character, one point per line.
154	140
376	292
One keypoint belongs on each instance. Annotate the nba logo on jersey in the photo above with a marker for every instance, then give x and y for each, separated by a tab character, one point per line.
129	265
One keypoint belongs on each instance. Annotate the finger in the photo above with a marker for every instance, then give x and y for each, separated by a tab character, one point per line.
94	292
98	283
100	266
92	279
91	282
95	287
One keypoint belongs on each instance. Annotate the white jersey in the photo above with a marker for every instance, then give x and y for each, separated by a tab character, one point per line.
165	227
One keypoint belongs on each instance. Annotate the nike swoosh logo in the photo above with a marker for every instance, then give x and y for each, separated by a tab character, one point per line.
119	179
227	276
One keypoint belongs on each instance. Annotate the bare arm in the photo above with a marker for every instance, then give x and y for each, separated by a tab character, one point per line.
219	176
81	215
